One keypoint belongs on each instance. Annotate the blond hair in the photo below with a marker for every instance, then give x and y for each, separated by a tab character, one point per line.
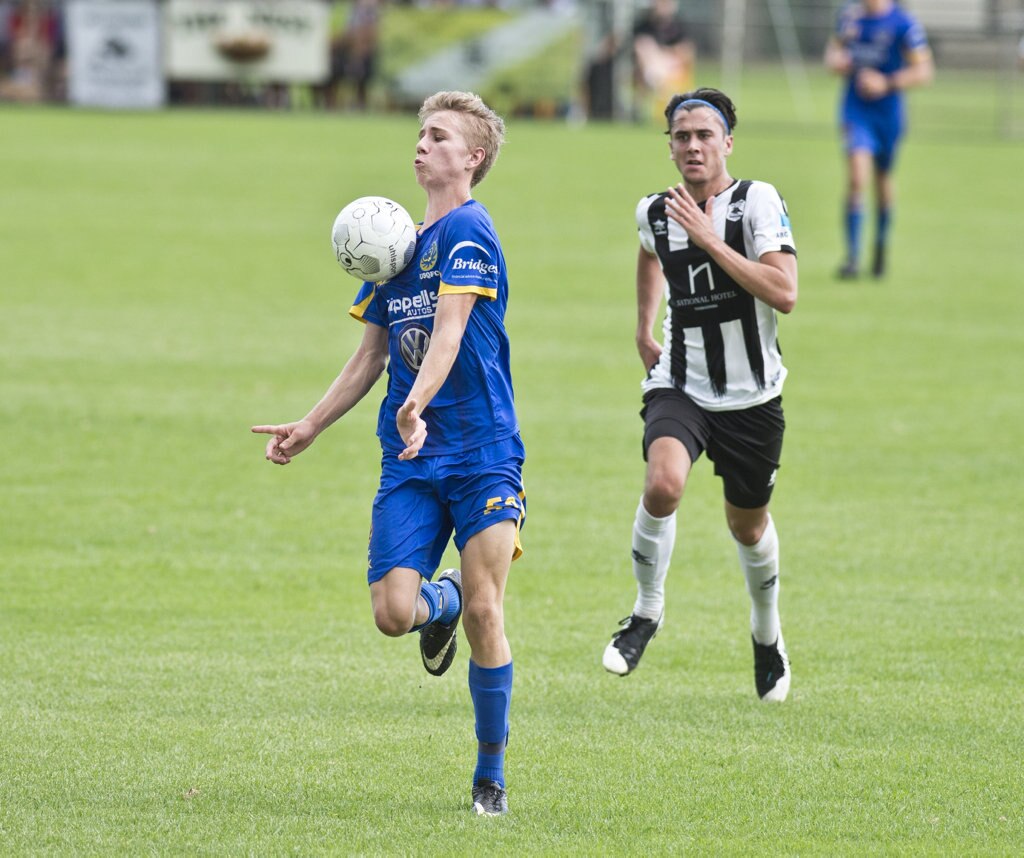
482	127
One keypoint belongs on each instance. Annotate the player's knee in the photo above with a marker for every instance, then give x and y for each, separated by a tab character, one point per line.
746	531
483	618
663	491
391	620
747	535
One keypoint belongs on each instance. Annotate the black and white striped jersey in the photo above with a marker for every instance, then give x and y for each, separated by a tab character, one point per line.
720	343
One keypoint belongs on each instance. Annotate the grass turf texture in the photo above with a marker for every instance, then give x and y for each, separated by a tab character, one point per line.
187	658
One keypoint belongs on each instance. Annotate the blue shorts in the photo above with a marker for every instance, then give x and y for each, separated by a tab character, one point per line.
422	501
877	132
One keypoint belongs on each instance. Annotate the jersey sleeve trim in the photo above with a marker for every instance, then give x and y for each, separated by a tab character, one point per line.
448	289
357	311
917	54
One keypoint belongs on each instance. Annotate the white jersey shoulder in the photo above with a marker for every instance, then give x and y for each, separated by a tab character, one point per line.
766	223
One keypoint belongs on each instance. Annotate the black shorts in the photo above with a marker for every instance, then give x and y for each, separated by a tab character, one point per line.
745	445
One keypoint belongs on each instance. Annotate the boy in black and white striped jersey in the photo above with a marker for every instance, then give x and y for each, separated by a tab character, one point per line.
724	249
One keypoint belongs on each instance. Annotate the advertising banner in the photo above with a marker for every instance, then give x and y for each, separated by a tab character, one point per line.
285	41
114	56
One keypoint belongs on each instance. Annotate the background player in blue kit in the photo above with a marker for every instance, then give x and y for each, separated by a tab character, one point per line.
881	50
721	251
452	456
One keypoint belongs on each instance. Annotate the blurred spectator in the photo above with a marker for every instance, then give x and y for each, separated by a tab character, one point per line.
606	51
599	79
57	76
6	9
34	51
664	56
659	49
353	58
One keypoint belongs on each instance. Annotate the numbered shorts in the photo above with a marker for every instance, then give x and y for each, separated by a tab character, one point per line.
421	502
744	445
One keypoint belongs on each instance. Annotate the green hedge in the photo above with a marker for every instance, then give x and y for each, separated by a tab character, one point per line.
542	85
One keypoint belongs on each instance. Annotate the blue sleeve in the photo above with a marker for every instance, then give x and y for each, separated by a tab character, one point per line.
845	18
914	36
471	257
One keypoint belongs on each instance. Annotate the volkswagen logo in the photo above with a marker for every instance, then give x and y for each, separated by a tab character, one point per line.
413	343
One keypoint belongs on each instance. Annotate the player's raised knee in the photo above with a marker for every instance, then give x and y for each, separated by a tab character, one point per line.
392	620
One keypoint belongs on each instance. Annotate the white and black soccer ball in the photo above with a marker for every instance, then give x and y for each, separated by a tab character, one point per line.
374	238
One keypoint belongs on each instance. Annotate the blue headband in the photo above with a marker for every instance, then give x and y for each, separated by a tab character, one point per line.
700	102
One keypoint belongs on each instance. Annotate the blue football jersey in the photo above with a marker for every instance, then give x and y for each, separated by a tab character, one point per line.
460	253
880	42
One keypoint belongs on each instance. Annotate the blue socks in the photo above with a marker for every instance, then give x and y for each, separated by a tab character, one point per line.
884	219
489	687
442	602
450	604
854	222
491	690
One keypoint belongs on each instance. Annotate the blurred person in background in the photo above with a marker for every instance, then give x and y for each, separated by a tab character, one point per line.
57	73
598	89
34	44
353	54
721	252
6	9
664	55
880	50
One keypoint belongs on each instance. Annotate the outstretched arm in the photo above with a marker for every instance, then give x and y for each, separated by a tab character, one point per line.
352	384
772	278
450	322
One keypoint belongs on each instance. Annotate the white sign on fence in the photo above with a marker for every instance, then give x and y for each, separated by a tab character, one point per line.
114	53
282	41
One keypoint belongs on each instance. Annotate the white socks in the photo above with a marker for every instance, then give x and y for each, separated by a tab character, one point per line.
653	540
760	564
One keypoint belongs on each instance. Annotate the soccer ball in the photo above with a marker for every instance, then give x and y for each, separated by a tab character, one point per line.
374	238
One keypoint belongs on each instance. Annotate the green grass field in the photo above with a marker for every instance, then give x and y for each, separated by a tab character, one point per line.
188	663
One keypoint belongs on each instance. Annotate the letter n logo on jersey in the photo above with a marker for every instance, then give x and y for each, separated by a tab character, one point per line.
701	278
413	343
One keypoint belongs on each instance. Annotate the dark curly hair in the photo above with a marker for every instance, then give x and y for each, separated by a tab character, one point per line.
712	96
